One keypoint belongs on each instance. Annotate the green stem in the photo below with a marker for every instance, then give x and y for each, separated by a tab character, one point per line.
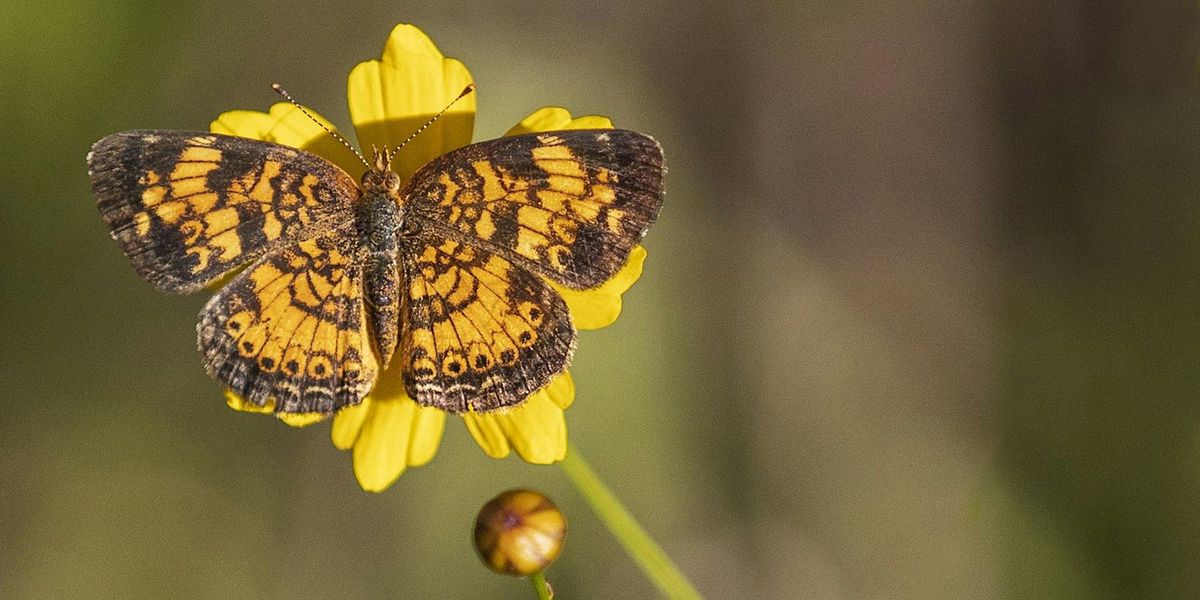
637	543
539	585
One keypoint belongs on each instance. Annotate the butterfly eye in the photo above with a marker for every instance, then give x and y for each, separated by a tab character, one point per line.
380	180
392	182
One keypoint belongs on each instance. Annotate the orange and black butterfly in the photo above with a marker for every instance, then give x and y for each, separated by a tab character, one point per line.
444	270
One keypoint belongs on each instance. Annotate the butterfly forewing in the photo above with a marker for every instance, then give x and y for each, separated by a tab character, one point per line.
188	207
568	205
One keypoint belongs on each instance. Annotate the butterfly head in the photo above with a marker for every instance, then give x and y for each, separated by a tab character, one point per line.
380	176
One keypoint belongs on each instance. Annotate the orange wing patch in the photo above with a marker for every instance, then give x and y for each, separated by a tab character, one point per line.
569	205
292	329
189	207
480	333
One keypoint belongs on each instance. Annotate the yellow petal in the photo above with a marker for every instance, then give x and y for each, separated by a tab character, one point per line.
239	403
561	390
391	98
381	452
427	428
348	423
537	429
236	402
390	434
556	118
285	124
599	307
301	419
487	434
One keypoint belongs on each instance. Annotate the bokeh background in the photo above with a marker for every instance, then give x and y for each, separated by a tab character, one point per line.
920	319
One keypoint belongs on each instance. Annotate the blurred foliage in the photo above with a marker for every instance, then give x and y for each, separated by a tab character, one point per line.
918	319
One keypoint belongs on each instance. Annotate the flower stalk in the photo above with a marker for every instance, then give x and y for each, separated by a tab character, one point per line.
651	558
540	586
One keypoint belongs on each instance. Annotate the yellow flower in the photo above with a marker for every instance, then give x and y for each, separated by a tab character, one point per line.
389	99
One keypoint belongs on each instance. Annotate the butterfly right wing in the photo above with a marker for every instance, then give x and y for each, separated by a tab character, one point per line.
188	207
567	205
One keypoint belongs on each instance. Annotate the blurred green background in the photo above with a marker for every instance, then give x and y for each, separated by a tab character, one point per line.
921	317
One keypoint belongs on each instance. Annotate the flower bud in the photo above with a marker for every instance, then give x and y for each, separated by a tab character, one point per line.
519	532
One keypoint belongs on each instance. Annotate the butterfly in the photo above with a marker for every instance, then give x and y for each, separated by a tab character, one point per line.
446	271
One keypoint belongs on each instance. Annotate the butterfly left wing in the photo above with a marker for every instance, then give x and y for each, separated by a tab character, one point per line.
187	208
568	205
480	333
291	329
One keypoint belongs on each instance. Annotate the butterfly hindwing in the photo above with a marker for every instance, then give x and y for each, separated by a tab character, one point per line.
188	207
568	205
292	329
480	332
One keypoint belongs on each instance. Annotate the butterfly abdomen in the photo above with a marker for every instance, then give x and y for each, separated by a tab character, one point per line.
381	280
378	219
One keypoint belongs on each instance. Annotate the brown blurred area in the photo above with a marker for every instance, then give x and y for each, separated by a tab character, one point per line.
919	319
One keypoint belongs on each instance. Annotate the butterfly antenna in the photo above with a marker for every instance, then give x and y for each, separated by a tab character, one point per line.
282	92
467	90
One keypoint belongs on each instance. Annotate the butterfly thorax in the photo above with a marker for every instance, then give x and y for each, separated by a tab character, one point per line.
378	218
379	213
